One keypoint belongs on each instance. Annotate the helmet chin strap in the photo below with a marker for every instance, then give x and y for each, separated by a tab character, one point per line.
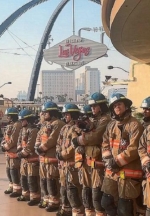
120	118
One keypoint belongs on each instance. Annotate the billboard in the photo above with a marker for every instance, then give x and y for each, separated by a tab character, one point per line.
74	52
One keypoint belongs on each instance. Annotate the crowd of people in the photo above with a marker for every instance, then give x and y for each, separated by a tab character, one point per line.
92	162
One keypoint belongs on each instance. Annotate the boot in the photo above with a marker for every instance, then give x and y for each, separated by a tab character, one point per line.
62	212
22	198
8	191
52	208
14	194
42	204
33	202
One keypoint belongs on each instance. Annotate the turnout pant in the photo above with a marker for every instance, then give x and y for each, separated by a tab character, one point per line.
63	191
13	173
74	191
119	197
146	194
49	183
30	180
91	179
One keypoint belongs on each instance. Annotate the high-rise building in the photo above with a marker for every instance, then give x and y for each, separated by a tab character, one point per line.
92	80
118	90
77	85
82	81
58	82
22	95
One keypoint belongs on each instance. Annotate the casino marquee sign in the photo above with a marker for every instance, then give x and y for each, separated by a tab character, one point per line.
74	52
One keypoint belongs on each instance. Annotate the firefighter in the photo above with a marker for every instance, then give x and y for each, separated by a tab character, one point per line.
123	174
92	169
66	156
9	146
146	111
71	113
46	148
29	159
144	153
86	111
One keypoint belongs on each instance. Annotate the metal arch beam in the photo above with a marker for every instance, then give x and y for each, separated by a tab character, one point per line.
96	1
13	17
43	43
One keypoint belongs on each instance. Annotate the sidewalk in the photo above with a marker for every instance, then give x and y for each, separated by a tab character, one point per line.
10	206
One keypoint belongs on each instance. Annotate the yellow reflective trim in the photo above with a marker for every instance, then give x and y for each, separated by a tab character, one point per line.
122	174
101	101
51	109
71	110
12	114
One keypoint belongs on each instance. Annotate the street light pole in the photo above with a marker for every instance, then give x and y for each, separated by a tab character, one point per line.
73	18
5	84
112	67
85	29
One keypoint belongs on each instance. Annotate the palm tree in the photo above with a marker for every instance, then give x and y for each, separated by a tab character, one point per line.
65	95
51	98
70	99
85	98
45	98
61	98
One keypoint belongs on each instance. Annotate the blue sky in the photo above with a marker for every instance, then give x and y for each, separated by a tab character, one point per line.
29	29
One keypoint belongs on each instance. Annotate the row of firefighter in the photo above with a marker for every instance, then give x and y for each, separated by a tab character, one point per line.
94	162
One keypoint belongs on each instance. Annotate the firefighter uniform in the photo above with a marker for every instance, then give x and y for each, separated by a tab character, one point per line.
123	174
66	208
91	171
46	148
9	146
144	153
29	159
73	186
65	155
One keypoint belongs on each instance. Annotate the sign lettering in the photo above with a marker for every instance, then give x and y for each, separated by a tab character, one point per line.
74	51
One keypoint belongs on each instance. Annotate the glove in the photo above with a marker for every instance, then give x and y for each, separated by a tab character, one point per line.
75	143
146	168
59	156
80	150
20	155
112	163
3	149
38	151
19	149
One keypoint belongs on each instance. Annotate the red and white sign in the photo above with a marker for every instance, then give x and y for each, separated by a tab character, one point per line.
74	52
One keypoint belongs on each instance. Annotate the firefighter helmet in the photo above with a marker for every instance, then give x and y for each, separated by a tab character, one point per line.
25	114
146	103
11	111
116	97
70	108
97	98
86	109
49	106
